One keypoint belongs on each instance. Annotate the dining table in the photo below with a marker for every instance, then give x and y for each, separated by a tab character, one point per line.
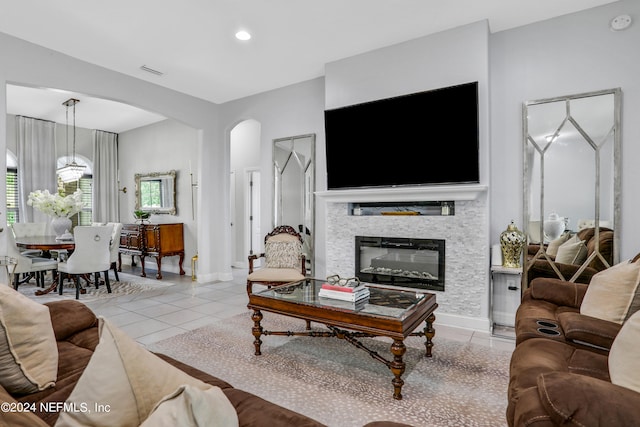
46	244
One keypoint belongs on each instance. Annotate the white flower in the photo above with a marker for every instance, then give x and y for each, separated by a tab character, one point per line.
55	204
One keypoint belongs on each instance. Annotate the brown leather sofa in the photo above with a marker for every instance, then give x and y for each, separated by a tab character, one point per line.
559	373
542	268
76	331
550	308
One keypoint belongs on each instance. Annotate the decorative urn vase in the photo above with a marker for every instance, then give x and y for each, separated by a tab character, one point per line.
554	226
511	242
61	225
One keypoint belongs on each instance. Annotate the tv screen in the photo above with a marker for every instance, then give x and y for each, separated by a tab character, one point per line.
425	138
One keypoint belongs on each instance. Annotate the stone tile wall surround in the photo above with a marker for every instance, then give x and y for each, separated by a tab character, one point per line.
466	248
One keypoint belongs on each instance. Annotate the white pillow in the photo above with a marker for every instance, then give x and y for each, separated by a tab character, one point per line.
126	377
189	406
573	251
624	363
613	294
552	247
28	348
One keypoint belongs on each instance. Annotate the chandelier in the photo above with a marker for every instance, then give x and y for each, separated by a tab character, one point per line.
71	171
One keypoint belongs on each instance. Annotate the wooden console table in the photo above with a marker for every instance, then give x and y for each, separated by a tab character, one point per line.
155	240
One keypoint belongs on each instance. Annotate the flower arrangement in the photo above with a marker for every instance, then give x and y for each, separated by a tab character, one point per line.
56	205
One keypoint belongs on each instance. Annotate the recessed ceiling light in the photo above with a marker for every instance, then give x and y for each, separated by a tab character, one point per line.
243	35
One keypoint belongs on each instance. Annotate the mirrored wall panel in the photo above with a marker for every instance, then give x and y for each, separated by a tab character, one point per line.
294	187
571	184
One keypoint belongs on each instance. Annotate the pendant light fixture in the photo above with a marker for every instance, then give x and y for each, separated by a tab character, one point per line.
71	171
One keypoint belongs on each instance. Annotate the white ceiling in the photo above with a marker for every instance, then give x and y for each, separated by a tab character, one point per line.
91	113
192	42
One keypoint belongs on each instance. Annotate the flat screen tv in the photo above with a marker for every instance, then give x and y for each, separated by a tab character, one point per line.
425	138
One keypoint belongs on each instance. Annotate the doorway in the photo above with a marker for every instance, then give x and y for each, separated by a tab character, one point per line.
245	197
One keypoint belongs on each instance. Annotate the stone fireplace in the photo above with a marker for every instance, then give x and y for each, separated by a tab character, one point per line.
464	301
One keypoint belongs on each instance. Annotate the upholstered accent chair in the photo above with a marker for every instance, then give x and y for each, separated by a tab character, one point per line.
284	260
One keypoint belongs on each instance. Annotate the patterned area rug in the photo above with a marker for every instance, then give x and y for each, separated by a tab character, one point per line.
128	285
335	383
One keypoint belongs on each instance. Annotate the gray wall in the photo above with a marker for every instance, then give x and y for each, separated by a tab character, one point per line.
161	147
572	54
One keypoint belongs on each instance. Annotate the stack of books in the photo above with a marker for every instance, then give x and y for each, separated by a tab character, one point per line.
352	291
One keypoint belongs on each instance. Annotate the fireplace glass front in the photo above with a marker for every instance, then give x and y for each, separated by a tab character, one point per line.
403	262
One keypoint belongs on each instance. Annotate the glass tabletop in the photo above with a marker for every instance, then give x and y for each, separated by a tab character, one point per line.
383	302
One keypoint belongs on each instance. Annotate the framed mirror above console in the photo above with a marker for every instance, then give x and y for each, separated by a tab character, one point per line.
571	185
156	192
294	187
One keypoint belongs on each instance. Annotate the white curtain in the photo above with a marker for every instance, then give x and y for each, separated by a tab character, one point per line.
105	177
36	146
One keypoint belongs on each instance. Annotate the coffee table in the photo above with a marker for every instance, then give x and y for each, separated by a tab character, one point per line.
387	312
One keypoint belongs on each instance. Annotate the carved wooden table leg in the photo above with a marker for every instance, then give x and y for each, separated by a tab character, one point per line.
181	260
159	264
397	367
144	273
429	333
257	330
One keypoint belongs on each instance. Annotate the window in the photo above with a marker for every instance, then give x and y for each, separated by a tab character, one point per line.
13	213
85	183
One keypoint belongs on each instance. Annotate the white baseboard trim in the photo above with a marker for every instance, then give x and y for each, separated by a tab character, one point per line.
465	322
214	277
239	264
225	277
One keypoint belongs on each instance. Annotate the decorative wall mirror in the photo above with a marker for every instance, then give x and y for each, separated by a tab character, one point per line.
571	183
294	187
156	192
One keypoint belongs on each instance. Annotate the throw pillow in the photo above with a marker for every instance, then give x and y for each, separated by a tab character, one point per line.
189	406
613	294
282	254
573	251
125	378
552	247
28	348
624	364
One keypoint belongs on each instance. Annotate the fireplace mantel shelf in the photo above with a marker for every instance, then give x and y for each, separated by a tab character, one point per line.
400	194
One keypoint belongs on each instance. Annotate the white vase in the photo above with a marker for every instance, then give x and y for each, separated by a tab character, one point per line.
554	226
61	225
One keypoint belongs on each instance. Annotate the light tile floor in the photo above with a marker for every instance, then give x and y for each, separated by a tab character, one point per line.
157	315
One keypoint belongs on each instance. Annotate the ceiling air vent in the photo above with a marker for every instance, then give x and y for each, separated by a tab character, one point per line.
151	70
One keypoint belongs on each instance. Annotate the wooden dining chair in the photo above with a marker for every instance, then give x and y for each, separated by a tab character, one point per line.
90	256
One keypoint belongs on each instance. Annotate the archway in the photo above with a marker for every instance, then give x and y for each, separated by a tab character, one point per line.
245	191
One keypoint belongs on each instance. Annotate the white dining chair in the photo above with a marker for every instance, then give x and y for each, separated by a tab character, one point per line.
114	247
37	266
29	229
90	256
